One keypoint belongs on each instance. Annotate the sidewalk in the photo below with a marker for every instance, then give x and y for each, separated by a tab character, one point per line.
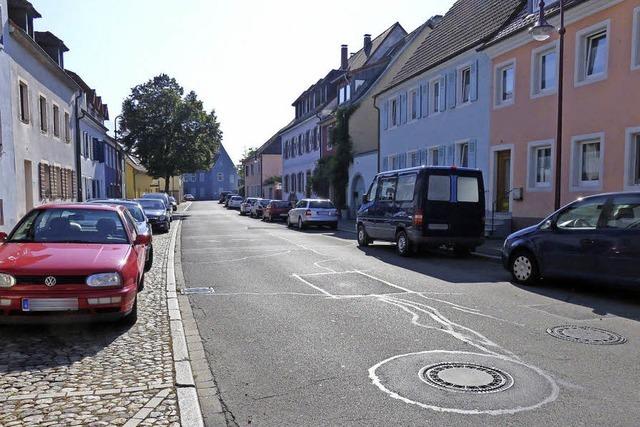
491	248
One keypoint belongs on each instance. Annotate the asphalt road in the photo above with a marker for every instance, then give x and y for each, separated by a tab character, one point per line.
305	328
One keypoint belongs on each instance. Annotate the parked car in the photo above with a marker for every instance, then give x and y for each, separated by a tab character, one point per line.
245	207
235	202
223	196
189	197
424	207
258	208
595	238
79	261
174	203
276	210
155	210
141	222
227	198
160	196
316	212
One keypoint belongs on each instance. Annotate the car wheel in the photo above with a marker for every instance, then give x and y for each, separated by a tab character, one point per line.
300	224
131	318
288	222
403	245
149	263
363	239
524	268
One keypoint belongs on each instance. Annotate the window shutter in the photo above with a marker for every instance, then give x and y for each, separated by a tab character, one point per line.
441	155
474	81
450	154
42	177
63	190
385	164
442	101
451	89
403	108
74	185
472	153
423	157
385	115
424	99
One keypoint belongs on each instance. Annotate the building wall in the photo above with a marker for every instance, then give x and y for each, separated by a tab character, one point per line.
607	107
252	181
93	171
361	174
271	166
207	185
300	163
29	142
137	183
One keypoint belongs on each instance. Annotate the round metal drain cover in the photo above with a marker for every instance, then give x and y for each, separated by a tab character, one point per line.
466	377
586	335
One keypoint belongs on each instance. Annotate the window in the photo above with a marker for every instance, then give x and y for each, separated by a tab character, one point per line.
387	189
220	176
67	127
462	154
201	176
636	168
581	216
406	187
544	68
330	137
635	43
394	112
439	188
286	183
344	94
587	160
435	96
468	190
414	159
436	156
540	155
414	104
505	84
632	156
373	190
24	102
624	213
43	114
293	183
56	121
592	54
465	85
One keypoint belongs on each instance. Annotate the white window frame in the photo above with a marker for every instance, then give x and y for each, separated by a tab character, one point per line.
532	149
411	153
630	159
536	70
580	77
66	126
635	40
577	185
460	70
458	151
434	107
394	116
27	119
430	155
55	122
44	121
498	102
411	106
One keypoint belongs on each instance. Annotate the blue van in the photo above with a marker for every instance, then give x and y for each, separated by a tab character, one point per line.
424	207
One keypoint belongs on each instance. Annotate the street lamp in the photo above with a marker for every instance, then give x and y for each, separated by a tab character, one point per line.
541	31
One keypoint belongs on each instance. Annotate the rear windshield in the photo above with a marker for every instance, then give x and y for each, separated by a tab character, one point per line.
71	226
236	198
324	204
468	189
439	188
264	202
151	204
136	213
280	204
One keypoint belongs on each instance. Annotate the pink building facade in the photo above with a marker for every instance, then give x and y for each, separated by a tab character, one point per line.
601	119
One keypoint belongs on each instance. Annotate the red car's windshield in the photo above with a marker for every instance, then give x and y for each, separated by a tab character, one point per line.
70	226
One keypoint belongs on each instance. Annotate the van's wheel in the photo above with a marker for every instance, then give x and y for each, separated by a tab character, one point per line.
300	224
363	238
403	245
524	268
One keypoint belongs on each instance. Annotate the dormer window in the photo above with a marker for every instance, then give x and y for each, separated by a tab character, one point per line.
344	94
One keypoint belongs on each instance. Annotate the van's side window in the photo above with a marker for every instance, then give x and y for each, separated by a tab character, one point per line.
406	186
439	188
468	190
373	190
387	190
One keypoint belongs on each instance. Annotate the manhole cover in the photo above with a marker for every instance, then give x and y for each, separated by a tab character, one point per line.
196	291
466	377
586	335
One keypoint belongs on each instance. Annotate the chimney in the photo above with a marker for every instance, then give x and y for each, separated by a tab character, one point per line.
367	44
344	57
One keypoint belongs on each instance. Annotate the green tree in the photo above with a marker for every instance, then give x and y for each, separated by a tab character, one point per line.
169	133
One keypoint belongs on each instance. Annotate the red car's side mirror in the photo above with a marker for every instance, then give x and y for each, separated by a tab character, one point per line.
3	236
142	239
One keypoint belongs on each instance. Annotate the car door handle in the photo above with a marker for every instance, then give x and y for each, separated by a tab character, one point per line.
587	242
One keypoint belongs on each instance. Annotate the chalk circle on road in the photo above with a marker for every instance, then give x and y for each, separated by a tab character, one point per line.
463	382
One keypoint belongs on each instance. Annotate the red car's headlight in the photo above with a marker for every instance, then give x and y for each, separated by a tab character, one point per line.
7	280
104	280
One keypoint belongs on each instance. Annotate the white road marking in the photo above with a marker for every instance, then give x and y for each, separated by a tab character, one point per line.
313	286
237	259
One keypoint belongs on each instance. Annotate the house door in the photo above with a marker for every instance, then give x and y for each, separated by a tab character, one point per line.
503	180
28	185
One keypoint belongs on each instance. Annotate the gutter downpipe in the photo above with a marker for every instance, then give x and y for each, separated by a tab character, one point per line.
78	150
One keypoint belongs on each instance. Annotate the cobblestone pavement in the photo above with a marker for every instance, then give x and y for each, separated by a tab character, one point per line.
93	374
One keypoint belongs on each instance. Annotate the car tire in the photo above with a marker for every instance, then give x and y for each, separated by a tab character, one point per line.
403	244
300	224
363	238
288	222
149	263
524	268
131	318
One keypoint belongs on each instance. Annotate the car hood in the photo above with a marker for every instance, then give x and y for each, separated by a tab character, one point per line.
61	258
523	232
155	213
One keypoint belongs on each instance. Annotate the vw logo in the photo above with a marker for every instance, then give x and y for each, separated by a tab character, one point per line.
50	281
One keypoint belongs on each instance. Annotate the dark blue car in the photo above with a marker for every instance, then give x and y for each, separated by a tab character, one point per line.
595	238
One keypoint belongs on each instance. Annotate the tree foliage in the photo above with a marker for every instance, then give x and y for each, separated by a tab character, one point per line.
170	133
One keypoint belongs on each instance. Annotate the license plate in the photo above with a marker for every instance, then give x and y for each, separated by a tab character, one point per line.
49	304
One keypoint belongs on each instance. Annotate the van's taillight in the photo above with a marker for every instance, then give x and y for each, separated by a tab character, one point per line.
417	217
308	212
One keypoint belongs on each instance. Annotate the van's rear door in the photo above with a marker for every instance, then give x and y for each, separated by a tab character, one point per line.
437	203
467	215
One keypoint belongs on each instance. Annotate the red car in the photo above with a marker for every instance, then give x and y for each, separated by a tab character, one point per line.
72	262
276	209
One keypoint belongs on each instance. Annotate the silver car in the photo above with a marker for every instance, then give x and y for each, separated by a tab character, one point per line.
235	202
245	207
316	212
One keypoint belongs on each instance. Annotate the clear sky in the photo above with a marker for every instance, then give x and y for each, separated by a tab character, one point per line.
247	59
